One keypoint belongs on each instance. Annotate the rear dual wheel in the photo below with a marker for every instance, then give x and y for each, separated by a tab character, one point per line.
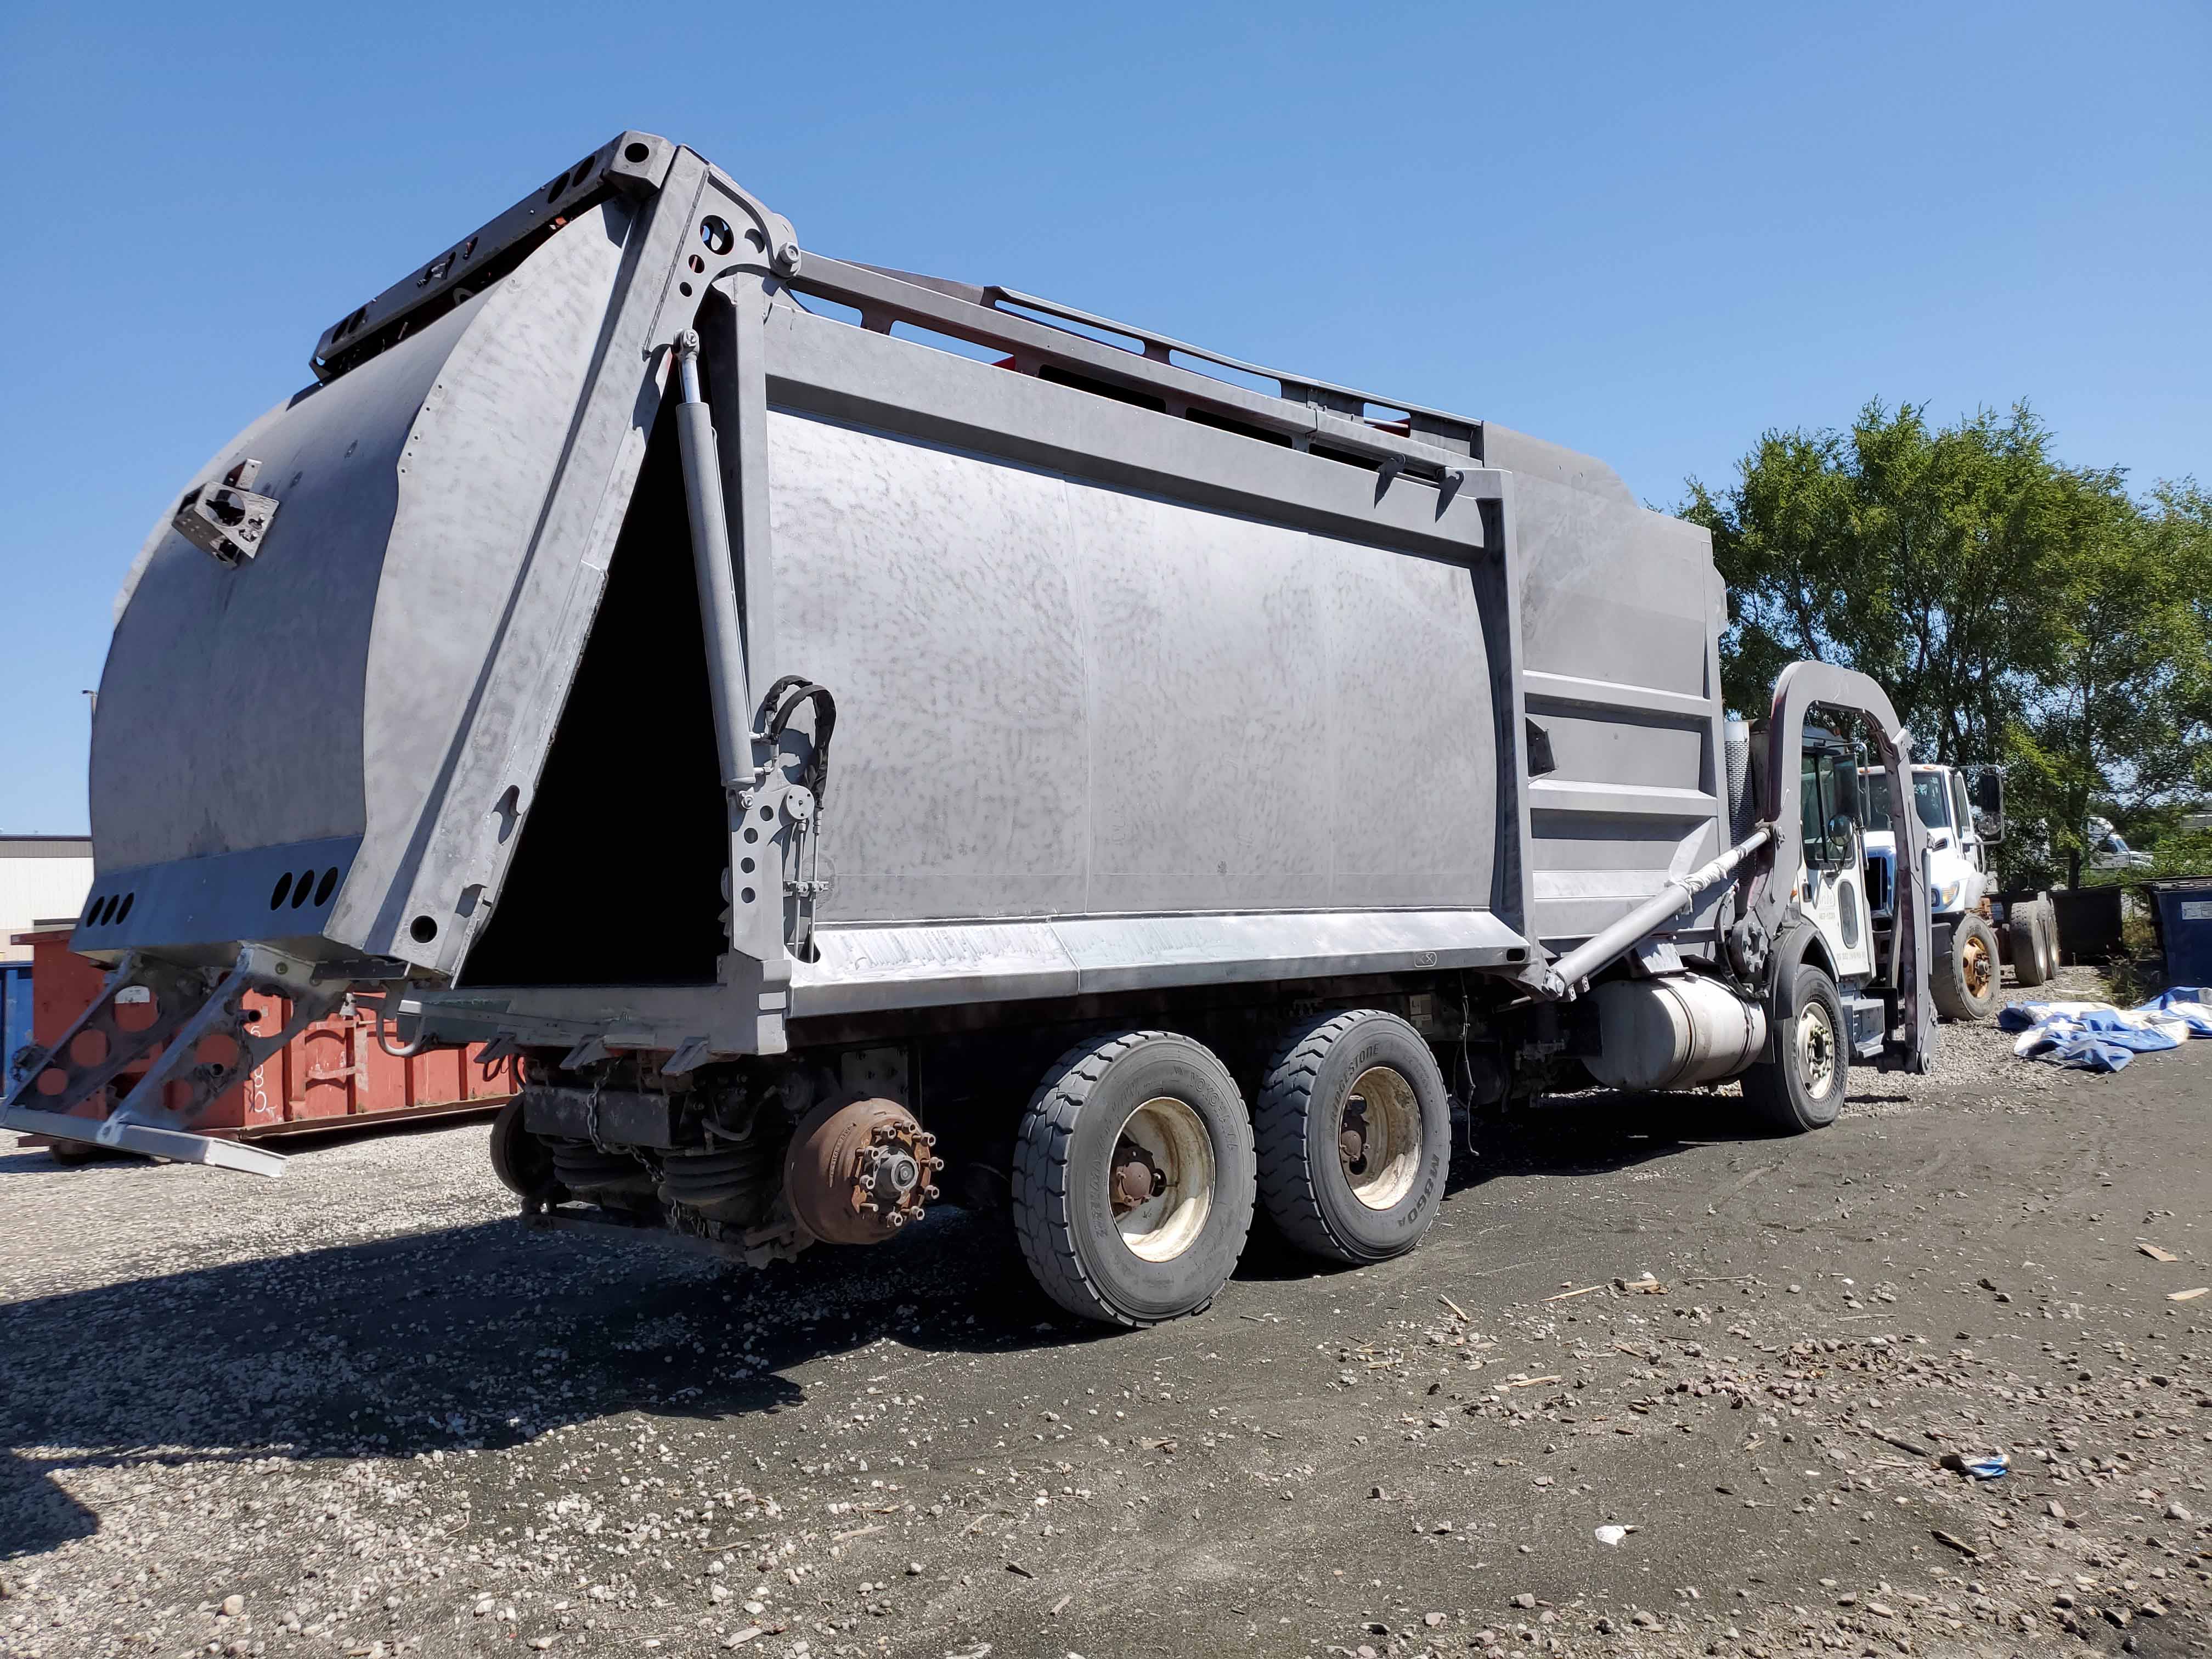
1133	1178
1136	1166
2032	931
523	1162
1354	1137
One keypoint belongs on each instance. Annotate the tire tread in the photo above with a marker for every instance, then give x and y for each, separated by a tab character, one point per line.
1291	1182
1042	1152
1287	1183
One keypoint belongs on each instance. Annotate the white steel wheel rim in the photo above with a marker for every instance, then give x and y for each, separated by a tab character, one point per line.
1816	1049
1169	1223
1392	1149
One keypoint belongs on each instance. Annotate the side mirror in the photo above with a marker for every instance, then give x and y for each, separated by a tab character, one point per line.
1989	803
1841	828
1848	811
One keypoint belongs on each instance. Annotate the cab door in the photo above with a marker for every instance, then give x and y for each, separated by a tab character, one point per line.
1970	846
1834	885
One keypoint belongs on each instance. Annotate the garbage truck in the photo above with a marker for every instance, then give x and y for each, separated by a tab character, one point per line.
860	739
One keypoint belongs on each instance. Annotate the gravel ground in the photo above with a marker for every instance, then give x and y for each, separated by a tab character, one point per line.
360	1412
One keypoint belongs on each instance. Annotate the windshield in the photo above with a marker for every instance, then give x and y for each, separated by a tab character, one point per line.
1927	798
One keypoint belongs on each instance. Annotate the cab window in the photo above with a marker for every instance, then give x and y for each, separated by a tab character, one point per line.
1827	808
1873	785
1930	800
1961	807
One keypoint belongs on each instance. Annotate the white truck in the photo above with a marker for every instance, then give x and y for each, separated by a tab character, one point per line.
1975	930
2109	850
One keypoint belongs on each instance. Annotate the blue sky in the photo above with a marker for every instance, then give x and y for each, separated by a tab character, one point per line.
1649	232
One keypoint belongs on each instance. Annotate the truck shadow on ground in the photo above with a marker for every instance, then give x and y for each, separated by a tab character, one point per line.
483	1336
1599	1131
488	1336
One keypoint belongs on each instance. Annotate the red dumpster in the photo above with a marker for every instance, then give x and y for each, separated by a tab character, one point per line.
333	1074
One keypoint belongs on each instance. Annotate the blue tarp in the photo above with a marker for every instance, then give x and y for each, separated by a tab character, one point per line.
2095	1037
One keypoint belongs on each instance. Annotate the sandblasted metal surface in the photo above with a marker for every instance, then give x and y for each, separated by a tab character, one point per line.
1148	678
1061	698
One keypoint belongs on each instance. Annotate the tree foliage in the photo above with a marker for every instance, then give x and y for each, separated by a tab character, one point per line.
2015	608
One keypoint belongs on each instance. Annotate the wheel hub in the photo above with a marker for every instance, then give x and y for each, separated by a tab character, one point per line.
1974	961
859	1172
1816	1049
1160	1182
1378	1137
1137	1178
1352	1141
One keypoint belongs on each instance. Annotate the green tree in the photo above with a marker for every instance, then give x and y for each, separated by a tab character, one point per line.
2017	609
2120	726
1921	557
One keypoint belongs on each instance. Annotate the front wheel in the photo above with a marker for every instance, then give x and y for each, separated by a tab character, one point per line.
1803	1087
1965	977
1134	1179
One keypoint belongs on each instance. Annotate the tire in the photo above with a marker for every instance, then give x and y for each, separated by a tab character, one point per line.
1965	977
1164	1102
1374	1202
523	1162
1803	1088
2028	931
2046	937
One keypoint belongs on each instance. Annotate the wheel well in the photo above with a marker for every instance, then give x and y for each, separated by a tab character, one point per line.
1801	945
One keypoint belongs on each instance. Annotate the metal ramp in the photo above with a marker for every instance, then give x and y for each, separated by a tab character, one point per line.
190	1006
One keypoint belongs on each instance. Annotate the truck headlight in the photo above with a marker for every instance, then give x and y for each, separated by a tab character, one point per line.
1946	897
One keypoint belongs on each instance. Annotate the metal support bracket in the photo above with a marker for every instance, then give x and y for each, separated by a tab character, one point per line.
226	519
589	1052
1803	687
690	1056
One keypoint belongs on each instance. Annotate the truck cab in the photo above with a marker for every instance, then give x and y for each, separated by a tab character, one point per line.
1962	810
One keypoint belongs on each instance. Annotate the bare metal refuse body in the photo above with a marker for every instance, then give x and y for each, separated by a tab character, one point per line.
758	687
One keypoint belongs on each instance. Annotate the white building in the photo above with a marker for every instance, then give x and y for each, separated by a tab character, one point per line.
41	878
